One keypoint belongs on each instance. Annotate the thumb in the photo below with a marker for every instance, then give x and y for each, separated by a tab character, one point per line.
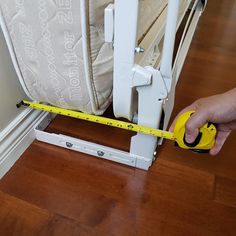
197	120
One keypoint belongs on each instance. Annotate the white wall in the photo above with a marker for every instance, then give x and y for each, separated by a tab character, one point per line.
10	89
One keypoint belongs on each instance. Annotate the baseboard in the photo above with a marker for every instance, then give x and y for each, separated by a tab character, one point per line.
17	139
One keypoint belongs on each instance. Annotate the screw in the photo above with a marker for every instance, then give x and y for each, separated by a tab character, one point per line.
139	50
100	153
69	145
154	156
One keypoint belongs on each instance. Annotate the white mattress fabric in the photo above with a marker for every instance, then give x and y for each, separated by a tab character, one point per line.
58	49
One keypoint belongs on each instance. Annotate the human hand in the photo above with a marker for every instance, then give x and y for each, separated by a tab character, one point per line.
219	109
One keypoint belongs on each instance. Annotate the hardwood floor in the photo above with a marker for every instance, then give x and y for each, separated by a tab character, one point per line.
52	191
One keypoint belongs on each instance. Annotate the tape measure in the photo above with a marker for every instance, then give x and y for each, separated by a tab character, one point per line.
205	139
204	142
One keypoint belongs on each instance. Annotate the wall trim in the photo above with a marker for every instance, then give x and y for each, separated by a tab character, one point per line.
19	136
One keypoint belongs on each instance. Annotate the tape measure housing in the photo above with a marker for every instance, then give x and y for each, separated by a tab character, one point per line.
205	139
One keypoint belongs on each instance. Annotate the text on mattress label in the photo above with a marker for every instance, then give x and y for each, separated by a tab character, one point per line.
49	52
28	42
71	60
20	8
64	13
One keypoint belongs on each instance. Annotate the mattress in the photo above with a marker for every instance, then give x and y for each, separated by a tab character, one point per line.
58	49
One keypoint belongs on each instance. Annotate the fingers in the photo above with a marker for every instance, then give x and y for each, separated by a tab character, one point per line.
197	120
189	108
219	142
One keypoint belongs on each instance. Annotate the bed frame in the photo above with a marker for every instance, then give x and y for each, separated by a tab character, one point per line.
140	78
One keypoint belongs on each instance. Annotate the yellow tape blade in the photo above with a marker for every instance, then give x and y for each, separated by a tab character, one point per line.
101	120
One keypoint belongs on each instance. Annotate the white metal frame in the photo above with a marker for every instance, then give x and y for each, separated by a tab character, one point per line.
151	89
94	149
155	87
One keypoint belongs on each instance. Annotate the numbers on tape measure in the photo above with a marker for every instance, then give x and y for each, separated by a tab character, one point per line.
97	119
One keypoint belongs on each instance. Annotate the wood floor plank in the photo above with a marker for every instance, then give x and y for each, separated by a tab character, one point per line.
49	193
225	191
19	217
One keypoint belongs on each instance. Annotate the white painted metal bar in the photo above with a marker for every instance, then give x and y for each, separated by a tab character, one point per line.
187	37
169	39
94	149
180	58
150	107
155	94
109	23
125	40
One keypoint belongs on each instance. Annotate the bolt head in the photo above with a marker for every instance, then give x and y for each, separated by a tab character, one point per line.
69	145
139	50
100	153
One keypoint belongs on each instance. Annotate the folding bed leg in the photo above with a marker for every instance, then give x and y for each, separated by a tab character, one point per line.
151	98
150	102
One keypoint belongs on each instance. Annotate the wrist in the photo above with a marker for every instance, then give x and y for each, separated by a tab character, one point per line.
232	96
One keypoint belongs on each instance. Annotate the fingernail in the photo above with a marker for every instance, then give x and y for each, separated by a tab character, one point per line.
189	138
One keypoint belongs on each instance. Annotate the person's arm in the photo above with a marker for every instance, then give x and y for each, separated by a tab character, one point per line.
219	109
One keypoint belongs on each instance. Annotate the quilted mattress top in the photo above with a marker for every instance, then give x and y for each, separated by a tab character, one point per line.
45	38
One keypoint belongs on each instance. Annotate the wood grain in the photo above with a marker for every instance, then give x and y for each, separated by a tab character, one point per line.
19	217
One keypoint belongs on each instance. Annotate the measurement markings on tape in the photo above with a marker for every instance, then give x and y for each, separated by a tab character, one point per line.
99	119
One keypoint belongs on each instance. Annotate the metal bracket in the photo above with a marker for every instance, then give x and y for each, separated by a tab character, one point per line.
141	76
94	149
